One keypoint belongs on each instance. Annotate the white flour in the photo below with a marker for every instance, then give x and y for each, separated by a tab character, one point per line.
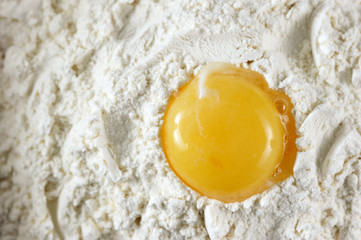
83	89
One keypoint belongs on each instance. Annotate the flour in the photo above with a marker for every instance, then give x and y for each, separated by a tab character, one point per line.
84	86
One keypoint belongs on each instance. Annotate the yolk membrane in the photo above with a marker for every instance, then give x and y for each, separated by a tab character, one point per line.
227	135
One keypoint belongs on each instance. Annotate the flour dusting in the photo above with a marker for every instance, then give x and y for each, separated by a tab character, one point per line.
83	90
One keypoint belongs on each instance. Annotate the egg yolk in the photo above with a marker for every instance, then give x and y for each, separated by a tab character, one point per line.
227	135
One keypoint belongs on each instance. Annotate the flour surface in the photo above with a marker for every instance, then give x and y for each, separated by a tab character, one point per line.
83	90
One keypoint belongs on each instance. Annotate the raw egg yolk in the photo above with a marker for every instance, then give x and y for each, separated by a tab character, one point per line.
227	135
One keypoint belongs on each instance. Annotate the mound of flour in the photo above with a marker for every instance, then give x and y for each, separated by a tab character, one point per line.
83	89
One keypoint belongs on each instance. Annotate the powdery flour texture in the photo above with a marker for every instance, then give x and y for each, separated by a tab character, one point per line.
83	90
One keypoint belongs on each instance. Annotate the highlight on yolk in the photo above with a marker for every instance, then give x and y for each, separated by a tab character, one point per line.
227	135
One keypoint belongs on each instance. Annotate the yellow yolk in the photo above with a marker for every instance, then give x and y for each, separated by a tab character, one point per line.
227	135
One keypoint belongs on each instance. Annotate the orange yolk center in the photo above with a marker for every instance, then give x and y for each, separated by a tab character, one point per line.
227	135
